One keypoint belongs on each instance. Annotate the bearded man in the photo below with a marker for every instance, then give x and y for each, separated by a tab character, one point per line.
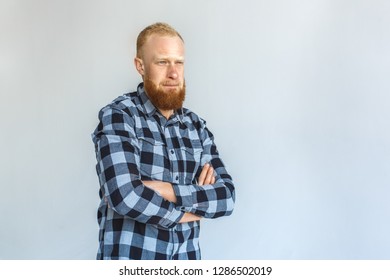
158	166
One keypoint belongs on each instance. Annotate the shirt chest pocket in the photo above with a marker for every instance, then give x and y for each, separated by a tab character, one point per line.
152	159
189	160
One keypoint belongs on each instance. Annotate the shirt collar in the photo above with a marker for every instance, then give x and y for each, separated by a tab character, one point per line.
146	104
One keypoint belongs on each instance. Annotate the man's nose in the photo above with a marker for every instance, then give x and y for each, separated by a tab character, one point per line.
172	72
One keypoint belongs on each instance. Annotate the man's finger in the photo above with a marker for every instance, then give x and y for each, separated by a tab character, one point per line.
209	176
203	174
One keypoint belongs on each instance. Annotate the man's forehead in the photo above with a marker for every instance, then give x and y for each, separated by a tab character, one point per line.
157	40
165	46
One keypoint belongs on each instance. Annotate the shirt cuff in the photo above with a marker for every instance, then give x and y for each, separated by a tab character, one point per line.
172	219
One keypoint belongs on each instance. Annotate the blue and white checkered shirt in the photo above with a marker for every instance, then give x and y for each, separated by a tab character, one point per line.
134	142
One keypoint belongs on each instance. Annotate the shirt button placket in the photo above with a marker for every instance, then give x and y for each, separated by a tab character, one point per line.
175	240
173	158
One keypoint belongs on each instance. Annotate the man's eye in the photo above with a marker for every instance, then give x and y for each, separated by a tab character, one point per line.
162	62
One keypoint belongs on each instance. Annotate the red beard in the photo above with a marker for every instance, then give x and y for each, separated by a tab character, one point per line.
165	99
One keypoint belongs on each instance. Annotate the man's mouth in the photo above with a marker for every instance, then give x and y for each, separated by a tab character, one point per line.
170	85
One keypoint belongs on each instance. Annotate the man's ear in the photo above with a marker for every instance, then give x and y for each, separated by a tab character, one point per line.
139	65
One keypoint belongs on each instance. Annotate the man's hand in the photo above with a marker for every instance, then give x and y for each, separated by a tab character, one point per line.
207	176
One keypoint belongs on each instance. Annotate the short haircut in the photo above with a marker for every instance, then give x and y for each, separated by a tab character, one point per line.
158	28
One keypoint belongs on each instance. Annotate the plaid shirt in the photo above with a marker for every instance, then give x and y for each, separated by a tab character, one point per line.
134	142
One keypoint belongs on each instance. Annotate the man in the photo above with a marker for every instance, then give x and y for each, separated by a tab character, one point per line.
158	166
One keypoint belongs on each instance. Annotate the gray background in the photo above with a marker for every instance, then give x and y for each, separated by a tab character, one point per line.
296	93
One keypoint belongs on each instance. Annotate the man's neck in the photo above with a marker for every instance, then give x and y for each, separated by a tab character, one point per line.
166	113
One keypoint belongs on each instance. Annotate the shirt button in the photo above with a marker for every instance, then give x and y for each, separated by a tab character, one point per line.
172	152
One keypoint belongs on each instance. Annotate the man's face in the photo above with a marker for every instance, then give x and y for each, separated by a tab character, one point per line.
162	68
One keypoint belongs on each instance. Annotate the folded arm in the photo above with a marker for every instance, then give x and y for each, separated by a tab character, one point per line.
166	190
212	196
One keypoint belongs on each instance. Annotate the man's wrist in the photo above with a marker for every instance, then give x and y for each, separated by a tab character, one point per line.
168	192
165	189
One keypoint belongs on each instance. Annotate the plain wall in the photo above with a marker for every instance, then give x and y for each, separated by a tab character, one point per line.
295	92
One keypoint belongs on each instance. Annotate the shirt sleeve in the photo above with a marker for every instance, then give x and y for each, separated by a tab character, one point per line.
209	201
118	162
